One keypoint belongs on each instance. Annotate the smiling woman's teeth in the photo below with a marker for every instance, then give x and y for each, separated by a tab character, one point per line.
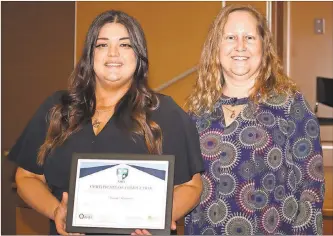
113	64
239	58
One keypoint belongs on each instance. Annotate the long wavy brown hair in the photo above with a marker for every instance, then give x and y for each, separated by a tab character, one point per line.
78	104
210	81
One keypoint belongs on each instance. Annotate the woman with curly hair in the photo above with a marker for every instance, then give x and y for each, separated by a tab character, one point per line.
108	108
259	138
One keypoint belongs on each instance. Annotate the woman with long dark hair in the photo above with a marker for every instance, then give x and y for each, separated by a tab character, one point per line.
108	108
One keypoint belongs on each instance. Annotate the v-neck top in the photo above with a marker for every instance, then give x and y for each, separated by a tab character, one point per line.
180	138
264	172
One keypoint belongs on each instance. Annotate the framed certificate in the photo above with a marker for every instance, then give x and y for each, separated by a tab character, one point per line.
118	193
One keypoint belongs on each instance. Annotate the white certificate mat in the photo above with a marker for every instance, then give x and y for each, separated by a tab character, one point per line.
134	190
125	193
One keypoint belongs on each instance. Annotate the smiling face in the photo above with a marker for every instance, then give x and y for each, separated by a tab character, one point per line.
240	48
114	58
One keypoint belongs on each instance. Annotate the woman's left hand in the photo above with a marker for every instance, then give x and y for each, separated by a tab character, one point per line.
146	232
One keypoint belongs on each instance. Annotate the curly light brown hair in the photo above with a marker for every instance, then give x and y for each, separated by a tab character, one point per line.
208	88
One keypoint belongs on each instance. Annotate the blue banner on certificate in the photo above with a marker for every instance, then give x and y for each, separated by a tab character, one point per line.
118	193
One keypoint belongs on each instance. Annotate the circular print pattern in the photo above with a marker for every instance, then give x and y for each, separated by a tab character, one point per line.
259	164
304	216
239	225
196	215
283	126
217	213
322	190
266	118
202	124
248	112
309	195
245	198
291	180
259	199
279	232
297	111
315	169
318	223
274	158
302	148
277	100
189	227
289	155
254	137
208	231
278	137
279	192
289	208
307	106
227	184
298	174
207	192
228	155
210	144
312	128
221	122
291	128
247	170
215	169
217	113
230	130
270	220
269	182
282	174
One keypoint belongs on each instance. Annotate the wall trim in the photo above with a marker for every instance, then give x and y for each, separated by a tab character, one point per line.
287	42
75	31
269	14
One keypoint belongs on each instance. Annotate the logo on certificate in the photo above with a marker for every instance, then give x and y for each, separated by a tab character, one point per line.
85	216
122	174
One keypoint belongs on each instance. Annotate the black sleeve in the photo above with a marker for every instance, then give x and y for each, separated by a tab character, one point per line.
181	139
24	152
193	157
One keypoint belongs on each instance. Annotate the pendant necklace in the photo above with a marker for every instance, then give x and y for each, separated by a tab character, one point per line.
96	122
232	112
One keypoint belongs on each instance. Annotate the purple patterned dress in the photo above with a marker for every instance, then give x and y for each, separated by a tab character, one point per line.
264	172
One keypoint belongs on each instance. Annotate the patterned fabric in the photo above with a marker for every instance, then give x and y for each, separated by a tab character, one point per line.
264	172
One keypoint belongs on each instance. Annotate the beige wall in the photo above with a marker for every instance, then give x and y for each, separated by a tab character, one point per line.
37	45
277	26
311	54
37	58
259	5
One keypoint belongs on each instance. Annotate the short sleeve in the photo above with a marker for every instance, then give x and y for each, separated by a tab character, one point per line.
194	157
24	152
180	138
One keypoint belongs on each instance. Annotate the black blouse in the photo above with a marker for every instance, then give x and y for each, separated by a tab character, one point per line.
180	138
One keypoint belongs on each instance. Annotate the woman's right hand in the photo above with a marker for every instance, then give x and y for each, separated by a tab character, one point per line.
60	214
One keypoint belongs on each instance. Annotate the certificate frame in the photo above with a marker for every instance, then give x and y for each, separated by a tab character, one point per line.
119	157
